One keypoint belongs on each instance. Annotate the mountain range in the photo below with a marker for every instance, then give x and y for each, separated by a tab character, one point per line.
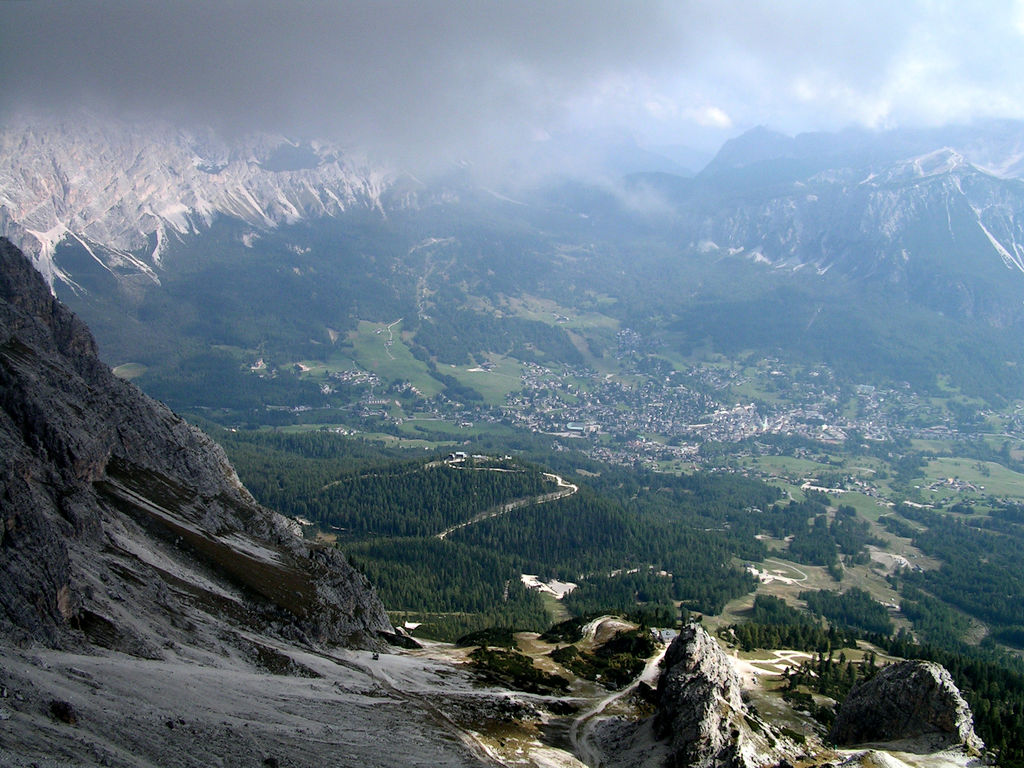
891	256
912	206
147	599
122	191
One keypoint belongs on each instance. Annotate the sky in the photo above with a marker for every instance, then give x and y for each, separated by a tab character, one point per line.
416	80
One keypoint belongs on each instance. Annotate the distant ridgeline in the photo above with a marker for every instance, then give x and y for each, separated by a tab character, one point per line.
889	256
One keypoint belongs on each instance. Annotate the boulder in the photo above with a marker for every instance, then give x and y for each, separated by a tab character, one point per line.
915	703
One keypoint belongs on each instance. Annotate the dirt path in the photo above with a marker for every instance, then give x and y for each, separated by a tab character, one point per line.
391	338
786	579
581	733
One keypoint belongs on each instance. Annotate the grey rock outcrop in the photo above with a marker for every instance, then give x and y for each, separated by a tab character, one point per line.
122	525
915	703
701	710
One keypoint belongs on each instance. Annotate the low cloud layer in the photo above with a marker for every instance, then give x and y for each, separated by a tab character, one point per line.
442	79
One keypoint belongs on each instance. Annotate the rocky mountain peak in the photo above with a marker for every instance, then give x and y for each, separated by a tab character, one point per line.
914	703
125	190
22	287
701	711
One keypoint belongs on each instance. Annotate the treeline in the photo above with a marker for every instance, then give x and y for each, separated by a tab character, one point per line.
214	378
428	574
418	500
824	541
451	588
627	542
776	624
633	540
897	526
982	450
932	619
361	490
453	388
321	453
636	543
620	594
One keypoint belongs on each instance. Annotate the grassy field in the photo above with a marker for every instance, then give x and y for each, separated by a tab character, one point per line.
548	311
749	391
495	384
789	467
378	437
789	579
867	507
931	446
554	607
795	578
441	431
392	362
989	478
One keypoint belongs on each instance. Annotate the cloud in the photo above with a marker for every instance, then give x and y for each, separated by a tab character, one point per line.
711	117
418	79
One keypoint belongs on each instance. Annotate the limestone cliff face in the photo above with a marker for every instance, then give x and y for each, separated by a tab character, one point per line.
701	710
120	523
915	703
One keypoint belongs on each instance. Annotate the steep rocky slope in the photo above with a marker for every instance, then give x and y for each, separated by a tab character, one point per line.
121	522
151	613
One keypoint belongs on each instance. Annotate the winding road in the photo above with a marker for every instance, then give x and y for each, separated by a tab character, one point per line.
565	489
791	567
581	733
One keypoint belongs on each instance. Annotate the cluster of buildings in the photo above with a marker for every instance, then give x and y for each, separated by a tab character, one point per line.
653	412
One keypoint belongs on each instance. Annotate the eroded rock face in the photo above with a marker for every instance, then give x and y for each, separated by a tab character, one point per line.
914	702
700	709
120	523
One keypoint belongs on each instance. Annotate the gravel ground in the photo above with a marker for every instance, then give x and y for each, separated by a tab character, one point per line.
64	709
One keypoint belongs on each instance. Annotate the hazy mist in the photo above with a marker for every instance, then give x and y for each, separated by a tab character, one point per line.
435	80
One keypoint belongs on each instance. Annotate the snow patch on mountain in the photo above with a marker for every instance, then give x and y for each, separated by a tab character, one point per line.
125	191
1014	259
